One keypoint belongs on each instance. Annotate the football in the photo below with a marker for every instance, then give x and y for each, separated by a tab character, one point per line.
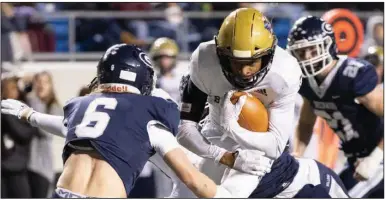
254	115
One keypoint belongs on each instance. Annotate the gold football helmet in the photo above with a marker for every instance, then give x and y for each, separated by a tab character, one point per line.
164	47
163	53
245	36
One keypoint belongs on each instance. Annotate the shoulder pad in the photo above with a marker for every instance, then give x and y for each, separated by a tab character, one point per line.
286	68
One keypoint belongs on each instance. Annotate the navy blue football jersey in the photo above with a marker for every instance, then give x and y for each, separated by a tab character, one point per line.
334	100
115	125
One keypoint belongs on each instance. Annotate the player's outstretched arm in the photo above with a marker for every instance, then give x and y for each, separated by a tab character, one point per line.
200	184
247	161
50	123
167	146
304	128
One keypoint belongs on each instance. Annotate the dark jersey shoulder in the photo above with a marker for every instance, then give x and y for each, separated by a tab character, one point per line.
353	78
335	100
361	75
115	124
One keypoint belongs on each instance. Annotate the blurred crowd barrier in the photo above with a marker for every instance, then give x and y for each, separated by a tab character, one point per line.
78	34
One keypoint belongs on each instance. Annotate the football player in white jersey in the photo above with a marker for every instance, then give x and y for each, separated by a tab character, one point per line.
244	57
164	52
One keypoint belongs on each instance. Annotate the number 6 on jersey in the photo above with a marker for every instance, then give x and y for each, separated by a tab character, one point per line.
91	115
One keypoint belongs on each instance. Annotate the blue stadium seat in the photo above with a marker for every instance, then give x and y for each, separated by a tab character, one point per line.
281	27
60	28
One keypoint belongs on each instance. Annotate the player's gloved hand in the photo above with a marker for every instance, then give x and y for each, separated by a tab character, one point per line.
252	162
230	112
367	167
16	108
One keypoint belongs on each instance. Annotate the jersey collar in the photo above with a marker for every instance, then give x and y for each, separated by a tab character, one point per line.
320	90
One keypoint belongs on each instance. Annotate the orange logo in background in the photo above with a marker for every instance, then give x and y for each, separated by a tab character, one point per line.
348	28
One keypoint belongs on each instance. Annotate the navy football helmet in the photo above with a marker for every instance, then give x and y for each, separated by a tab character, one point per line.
312	42
128	65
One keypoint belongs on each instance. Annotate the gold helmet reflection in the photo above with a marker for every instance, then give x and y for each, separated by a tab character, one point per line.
245	35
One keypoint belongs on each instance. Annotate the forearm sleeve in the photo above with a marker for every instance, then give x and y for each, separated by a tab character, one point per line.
189	137
50	123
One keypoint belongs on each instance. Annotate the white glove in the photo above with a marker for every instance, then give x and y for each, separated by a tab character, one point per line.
252	162
16	108
230	112
369	165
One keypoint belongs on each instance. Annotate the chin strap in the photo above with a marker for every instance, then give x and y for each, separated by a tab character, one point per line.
93	84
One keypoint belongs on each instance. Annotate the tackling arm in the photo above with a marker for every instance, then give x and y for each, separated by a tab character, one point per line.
167	146
50	123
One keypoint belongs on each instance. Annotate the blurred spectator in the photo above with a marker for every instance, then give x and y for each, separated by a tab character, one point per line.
97	34
39	33
375	56
174	26
228	6
132	6
16	136
185	31
15	44
45	159
374	33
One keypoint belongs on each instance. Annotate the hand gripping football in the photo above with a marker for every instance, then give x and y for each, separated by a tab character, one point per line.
254	115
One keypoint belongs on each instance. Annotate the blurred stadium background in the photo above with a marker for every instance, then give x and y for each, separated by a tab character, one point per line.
49	53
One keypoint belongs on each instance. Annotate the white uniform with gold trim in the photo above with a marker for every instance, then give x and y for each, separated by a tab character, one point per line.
277	91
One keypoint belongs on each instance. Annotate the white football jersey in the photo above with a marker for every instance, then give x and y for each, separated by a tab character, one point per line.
277	90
